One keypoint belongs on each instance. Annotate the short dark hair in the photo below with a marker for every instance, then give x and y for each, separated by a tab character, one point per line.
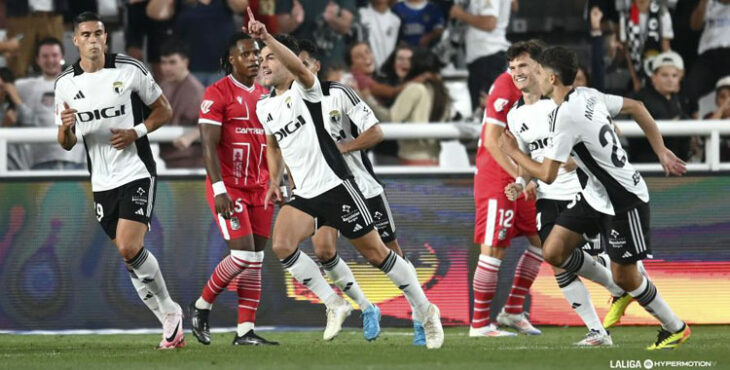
289	41
348	53
232	43
562	61
7	75
175	46
48	41
532	47
310	48
86	17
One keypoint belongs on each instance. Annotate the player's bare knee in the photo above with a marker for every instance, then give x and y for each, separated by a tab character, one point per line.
127	249
552	255
283	248
325	254
395	247
242	244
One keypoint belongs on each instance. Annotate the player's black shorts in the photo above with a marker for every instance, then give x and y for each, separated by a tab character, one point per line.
383	218
629	237
548	211
342	207
132	201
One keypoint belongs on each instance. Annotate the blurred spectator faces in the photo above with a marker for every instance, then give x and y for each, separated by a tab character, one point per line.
402	63
362	59
722	95
667	71
50	58
174	66
581	78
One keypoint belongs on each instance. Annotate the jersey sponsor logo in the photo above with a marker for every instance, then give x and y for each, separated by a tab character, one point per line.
205	106
249	130
97	114
349	215
502	234
538	144
345	208
377	215
289	128
500	103
118	87
140	197
235	224
615	239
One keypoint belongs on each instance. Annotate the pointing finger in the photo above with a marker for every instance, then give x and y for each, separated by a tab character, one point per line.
250	14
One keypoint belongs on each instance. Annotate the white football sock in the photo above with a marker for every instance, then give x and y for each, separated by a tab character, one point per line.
648	296
202	304
581	263
403	277
147	269
338	271
306	271
244	328
579	298
147	298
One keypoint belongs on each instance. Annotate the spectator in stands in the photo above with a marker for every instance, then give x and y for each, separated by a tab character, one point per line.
204	26
582	78
140	28
713	61
382	29
9	99
34	20
661	98
395	69
324	21
37	109
421	22
648	33
486	43
421	101
185	93
361	61
722	101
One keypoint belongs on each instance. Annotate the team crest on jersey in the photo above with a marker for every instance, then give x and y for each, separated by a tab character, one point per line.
287	101
239	99
502	234
335	116
118	87
499	104
205	106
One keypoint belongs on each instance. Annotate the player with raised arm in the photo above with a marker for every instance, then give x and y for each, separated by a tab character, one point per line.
498	220
614	199
234	151
324	191
355	129
101	99
529	122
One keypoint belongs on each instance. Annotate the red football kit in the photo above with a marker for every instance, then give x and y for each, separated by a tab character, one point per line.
242	155
498	220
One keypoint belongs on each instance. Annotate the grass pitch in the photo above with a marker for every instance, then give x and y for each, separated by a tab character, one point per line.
393	350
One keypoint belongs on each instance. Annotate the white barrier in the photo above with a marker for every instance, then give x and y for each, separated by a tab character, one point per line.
711	130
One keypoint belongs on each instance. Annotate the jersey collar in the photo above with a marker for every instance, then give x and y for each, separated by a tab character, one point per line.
241	85
109	62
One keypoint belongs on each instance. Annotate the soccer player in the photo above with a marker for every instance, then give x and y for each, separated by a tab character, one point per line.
355	129
234	151
101	98
528	121
498	220
614	199
324	191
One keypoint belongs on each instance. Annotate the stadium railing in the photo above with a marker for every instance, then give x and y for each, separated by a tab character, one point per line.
711	130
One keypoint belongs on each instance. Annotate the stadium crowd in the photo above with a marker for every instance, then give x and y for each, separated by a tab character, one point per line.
402	57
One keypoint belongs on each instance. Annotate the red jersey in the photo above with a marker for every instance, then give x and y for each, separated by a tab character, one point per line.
242	147
502	95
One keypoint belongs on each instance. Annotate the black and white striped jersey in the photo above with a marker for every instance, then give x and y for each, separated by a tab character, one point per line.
296	121
582	127
113	97
347	117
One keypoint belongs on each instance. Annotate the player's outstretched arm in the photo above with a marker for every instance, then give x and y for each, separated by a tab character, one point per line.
290	60
66	132
275	162
547	171
366	140
210	137
161	113
670	162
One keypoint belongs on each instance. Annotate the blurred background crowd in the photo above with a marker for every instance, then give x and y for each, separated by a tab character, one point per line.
413	61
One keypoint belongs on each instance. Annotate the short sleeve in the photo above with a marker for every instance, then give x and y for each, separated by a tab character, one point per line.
562	138
498	104
261	114
614	103
212	108
487	7
147	89
312	94
360	114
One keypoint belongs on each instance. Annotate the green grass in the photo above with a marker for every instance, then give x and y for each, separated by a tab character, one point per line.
349	351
